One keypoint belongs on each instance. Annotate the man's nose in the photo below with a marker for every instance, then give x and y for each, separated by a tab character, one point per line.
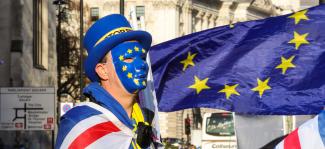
142	66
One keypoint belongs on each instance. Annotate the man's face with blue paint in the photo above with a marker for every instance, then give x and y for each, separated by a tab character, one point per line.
129	59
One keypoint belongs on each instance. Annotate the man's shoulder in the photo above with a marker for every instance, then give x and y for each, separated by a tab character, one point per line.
80	112
83	122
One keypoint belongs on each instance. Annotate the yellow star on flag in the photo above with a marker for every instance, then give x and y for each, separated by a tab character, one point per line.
299	39
262	86
124	68
136	49
199	85
298	16
129	75
188	60
129	51
285	64
144	83
229	90
121	57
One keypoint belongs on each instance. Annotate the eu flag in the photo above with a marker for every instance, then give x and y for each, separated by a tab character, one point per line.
272	66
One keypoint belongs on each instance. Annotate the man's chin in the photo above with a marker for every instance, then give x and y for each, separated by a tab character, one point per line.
140	88
136	89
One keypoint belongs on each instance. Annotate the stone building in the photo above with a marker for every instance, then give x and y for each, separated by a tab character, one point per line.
27	56
168	19
28	45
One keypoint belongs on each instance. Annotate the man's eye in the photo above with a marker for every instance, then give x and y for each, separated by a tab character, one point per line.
128	60
143	56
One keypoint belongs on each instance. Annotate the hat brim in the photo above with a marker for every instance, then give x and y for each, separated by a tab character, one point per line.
100	50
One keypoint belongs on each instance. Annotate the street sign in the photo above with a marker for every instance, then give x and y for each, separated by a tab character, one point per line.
65	107
27	108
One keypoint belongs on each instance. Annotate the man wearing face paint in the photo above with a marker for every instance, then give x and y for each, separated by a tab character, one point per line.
117	68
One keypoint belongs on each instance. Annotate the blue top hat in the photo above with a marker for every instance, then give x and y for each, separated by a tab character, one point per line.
104	35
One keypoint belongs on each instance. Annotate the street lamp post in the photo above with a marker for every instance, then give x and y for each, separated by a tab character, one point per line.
58	3
122	7
81	48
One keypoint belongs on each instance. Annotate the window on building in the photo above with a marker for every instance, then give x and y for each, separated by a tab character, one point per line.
40	39
139	10
94	13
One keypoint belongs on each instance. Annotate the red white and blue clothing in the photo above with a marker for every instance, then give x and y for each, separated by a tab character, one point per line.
310	135
98	125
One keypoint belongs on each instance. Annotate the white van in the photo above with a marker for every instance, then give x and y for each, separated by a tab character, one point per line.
218	131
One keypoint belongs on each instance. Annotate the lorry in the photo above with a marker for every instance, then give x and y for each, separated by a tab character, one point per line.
218	132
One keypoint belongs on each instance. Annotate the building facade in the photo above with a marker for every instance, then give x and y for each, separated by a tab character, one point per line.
169	19
28	45
27	57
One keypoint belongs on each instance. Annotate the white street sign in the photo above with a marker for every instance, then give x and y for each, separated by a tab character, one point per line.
65	107
27	108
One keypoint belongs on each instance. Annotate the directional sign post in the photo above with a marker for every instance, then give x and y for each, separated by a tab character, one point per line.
27	108
65	107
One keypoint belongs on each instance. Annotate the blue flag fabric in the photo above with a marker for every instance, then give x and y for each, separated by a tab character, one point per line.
274	66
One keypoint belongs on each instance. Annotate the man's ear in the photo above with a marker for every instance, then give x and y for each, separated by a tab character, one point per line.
101	70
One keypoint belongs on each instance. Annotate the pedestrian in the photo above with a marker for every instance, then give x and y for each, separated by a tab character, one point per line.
116	65
188	128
